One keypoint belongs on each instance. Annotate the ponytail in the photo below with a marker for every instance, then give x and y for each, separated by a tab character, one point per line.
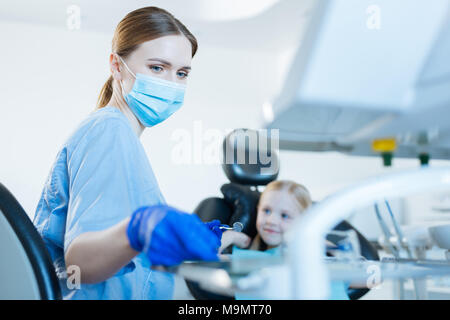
105	93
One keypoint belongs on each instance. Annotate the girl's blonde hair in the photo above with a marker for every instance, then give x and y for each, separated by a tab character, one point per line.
298	191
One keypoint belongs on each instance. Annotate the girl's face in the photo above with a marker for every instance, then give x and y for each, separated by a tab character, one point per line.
276	210
167	57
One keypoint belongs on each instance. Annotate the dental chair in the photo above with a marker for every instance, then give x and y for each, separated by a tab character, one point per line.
26	270
240	199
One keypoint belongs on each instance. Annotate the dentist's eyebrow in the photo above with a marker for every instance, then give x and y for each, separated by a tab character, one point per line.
167	63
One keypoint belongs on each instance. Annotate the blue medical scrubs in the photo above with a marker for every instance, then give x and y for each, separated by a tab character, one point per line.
100	176
338	289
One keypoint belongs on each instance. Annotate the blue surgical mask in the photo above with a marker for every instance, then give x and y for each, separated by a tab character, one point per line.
153	100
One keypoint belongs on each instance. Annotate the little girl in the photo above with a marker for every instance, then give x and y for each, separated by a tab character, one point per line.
280	203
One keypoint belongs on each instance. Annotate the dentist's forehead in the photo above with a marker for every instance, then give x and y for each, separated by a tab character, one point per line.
174	49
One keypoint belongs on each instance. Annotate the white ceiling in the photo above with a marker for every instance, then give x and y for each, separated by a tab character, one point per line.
274	25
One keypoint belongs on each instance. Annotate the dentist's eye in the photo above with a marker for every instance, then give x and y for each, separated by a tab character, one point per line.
182	75
156	69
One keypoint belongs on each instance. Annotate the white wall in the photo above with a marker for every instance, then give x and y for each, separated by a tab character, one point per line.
49	84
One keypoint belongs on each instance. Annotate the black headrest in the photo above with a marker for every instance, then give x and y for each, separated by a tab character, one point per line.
250	157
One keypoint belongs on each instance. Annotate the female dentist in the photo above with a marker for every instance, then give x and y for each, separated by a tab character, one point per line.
101	213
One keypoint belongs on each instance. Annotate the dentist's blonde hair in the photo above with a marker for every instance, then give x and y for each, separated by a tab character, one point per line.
139	26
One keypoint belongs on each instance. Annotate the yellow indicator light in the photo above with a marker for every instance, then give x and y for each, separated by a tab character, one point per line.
384	145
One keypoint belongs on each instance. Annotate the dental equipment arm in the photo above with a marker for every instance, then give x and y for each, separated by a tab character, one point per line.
419	285
386	232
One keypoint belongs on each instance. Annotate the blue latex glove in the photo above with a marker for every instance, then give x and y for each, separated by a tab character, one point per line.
214	227
169	236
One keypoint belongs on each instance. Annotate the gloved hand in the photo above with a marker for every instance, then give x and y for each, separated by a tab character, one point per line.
169	236
214	227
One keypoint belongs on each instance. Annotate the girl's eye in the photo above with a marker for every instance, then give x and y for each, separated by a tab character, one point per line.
182	74
266	211
284	216
156	68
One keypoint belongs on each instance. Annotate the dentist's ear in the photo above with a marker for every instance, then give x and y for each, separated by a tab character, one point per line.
115	67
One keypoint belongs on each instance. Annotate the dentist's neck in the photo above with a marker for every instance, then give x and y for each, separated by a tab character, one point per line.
118	102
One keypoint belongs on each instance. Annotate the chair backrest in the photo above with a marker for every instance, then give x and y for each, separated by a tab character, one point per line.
26	270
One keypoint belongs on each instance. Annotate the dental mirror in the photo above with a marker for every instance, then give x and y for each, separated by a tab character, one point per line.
237	226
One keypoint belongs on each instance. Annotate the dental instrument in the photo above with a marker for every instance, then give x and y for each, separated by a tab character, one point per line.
237	226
